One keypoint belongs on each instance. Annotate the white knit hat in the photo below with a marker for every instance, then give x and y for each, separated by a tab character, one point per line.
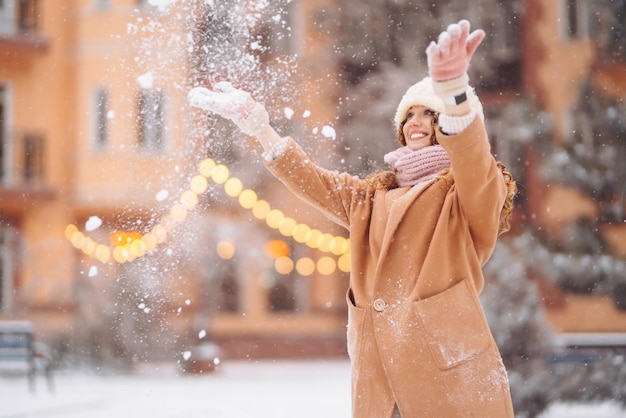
422	93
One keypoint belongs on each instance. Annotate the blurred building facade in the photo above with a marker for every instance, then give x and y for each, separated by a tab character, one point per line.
93	131
95	135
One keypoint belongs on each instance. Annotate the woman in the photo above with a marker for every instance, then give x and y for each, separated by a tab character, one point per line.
417	336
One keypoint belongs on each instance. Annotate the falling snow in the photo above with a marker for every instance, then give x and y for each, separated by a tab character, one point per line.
93	223
146	80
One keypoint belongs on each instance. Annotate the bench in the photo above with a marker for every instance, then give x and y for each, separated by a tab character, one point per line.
586	347
20	354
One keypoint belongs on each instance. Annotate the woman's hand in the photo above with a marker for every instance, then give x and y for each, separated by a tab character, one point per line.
224	100
449	57
238	106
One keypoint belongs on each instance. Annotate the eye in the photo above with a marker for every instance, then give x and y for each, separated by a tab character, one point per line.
429	112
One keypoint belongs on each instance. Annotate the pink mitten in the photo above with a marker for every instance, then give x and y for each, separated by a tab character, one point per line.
231	103
450	56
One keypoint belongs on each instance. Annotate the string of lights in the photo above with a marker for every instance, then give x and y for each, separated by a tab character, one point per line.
126	246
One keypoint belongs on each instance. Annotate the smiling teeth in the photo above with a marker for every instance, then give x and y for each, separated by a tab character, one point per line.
418	136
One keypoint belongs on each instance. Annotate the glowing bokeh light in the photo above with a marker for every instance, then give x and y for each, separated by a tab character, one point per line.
339	245
167	221
138	247
118	254
188	200
77	239
286	226
247	199
277	248
206	167
69	231
274	218
324	242
326	265
233	187
300	233
313	237
305	266
225	249
159	233
89	246
198	184
343	263
150	241
261	209
102	253
178	213
220	173
283	265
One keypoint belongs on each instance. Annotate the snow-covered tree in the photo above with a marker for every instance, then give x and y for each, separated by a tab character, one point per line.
591	161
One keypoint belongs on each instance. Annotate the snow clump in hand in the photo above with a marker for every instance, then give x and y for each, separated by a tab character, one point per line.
225	100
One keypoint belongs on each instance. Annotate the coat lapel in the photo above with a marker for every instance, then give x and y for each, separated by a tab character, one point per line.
396	214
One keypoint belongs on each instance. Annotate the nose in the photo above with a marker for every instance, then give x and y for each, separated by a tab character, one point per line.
415	120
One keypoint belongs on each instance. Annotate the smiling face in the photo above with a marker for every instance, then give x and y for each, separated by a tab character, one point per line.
419	127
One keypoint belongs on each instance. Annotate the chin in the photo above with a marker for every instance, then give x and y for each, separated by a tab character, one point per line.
415	146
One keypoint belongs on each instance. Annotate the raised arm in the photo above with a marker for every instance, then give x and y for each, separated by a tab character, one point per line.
480	185
330	192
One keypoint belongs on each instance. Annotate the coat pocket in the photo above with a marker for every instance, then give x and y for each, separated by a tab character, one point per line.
356	321
455	328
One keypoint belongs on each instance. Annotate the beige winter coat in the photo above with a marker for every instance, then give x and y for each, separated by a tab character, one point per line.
417	334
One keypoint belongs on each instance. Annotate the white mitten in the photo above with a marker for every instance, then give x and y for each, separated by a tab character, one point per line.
231	103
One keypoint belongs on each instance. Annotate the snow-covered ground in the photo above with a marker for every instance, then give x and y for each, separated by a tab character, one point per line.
304	389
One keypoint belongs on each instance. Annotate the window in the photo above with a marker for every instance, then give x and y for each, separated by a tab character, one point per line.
7	16
572	18
221	290
599	21
607	26
19	16
289	293
146	4
5	142
101	4
101	111
33	160
150	119
228	292
282	297
7	238
575	18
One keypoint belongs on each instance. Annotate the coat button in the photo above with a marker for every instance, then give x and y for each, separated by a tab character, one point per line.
379	305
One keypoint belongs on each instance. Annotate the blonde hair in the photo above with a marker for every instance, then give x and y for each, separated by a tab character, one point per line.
382	180
511	191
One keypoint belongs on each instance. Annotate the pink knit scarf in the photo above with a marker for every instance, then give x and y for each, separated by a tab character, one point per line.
412	167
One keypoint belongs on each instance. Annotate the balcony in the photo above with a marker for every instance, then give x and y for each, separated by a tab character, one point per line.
22	174
19	26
